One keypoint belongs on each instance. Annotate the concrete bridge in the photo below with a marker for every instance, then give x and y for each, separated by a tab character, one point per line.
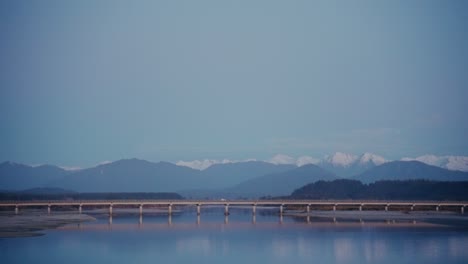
306	205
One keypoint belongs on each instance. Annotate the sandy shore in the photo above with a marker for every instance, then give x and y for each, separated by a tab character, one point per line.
32	223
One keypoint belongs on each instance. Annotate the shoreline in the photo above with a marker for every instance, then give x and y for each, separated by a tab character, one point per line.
31	224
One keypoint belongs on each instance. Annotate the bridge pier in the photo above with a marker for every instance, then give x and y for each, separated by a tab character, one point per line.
141	209
308	208
437	208
169	219
254	219
412	207
140	221
254	209
334	207
386	207
226	219
169	209
198	209
226	209
281	209
16	209
462	210
48	209
80	209
360	207
110	210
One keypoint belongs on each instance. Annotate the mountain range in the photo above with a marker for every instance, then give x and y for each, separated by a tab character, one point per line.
343	164
241	179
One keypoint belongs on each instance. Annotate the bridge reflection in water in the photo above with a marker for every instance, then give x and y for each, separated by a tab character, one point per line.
309	221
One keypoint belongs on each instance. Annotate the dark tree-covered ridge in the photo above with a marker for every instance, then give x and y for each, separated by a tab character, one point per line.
384	190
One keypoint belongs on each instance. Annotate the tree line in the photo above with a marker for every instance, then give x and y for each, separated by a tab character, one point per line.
384	190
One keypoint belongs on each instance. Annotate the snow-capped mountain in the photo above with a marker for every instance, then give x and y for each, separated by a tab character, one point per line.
340	159
347	165
343	164
459	163
369	157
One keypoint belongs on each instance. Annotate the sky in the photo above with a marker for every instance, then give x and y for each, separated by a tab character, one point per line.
83	82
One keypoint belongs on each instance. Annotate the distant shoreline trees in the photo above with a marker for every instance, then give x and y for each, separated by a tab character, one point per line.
384	190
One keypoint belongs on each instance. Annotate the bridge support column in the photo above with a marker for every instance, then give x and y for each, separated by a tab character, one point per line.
437	208
198	209
80	209
48	209
141	209
462	210
386	207
110	209
16	209
254	209
226	209
360	207
169	209
308	208
281	210
412	207
334	207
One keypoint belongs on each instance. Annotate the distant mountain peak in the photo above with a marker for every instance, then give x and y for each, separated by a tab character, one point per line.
282	159
459	163
410	170
341	159
370	157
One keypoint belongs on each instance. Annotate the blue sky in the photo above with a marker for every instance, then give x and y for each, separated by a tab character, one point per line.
87	81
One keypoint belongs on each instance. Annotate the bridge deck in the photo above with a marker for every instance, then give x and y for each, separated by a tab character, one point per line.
231	202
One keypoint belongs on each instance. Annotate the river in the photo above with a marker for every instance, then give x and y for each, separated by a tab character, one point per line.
239	238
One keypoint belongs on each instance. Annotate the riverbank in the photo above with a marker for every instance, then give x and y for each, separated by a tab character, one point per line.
31	223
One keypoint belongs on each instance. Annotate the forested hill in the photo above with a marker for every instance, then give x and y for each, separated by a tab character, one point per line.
384	190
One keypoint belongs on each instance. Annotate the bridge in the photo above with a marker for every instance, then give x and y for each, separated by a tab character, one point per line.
306	205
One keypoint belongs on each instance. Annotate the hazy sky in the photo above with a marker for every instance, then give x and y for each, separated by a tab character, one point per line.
86	81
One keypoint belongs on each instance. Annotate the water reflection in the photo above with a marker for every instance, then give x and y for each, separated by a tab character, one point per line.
280	219
374	251
234	238
343	249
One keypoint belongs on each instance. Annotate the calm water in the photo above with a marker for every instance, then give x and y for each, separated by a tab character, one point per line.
215	239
